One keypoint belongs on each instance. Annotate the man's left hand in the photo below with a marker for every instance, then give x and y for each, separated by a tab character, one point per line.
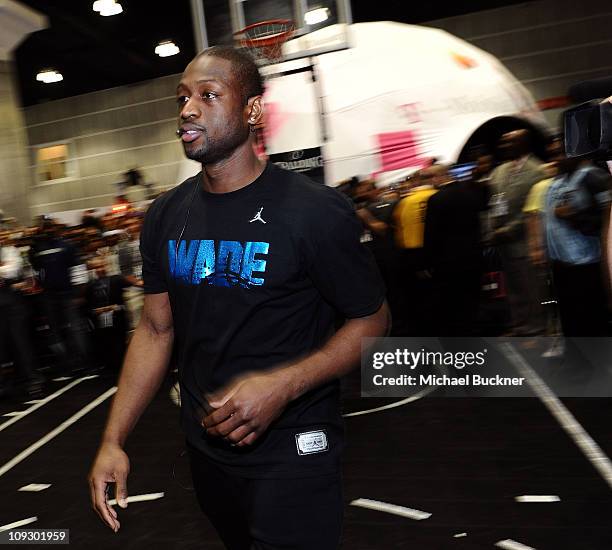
245	409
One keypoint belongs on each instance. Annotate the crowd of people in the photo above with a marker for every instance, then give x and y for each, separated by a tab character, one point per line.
511	246
69	296
507	244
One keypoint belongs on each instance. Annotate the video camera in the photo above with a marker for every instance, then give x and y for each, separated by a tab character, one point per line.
588	127
588	130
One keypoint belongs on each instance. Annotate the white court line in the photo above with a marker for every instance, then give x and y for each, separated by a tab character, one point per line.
391	508
568	422
34	487
460	535
139	498
14	413
537	498
62	379
44	401
54	433
18	524
33	402
410	399
510	544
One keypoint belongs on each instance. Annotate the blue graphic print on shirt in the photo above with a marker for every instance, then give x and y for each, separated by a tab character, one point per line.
221	263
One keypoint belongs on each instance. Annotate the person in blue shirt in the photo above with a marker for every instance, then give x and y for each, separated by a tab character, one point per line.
576	219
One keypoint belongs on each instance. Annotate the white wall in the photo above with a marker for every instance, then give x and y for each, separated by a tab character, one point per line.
112	131
15	178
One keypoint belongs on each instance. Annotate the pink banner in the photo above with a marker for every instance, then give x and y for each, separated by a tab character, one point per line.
399	150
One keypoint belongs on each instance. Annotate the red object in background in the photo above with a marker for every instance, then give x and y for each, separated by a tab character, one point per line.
553	103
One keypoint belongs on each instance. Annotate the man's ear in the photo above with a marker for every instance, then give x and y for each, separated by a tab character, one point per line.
256	111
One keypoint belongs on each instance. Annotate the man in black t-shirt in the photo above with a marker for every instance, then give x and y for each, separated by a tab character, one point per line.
53	258
453	250
106	307
246	267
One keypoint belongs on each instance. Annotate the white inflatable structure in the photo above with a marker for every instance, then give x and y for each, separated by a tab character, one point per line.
398	97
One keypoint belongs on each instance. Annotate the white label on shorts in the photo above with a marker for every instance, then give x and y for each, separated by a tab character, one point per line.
311	442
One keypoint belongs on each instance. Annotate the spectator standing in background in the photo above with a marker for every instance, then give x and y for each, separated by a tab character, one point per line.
130	264
535	204
453	248
415	312
576	218
375	208
14	326
511	183
53	258
90	219
105	302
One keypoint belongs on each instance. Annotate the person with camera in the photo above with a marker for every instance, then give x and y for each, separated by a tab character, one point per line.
576	221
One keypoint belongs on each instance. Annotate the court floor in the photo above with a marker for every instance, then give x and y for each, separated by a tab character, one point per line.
433	473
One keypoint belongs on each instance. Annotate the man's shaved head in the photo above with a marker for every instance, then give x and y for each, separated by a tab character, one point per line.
244	69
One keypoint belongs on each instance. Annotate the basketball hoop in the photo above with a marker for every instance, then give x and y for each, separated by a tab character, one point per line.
264	40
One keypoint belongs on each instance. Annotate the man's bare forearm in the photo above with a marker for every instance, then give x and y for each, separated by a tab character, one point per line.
340	355
145	366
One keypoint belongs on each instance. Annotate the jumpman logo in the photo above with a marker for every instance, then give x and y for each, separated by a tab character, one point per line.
258	217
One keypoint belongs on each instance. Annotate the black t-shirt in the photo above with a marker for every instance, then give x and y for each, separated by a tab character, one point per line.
257	281
53	258
106	291
453	233
598	185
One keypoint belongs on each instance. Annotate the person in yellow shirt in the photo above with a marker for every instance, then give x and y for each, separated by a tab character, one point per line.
409	230
533	209
409	215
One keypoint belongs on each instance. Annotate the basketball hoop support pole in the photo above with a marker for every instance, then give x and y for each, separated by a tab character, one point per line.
237	15
199	25
299	9
316	82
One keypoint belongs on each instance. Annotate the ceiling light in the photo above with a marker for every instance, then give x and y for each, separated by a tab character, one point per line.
100	5
316	16
49	76
112	10
166	49
107	8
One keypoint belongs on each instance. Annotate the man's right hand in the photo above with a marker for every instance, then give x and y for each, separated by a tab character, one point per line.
111	465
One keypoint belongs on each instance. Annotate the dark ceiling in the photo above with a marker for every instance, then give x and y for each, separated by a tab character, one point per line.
94	52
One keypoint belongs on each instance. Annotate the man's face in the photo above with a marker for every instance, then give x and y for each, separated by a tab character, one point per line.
484	165
365	191
556	151
507	147
212	112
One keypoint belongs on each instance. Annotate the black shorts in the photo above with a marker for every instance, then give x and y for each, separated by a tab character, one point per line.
269	514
